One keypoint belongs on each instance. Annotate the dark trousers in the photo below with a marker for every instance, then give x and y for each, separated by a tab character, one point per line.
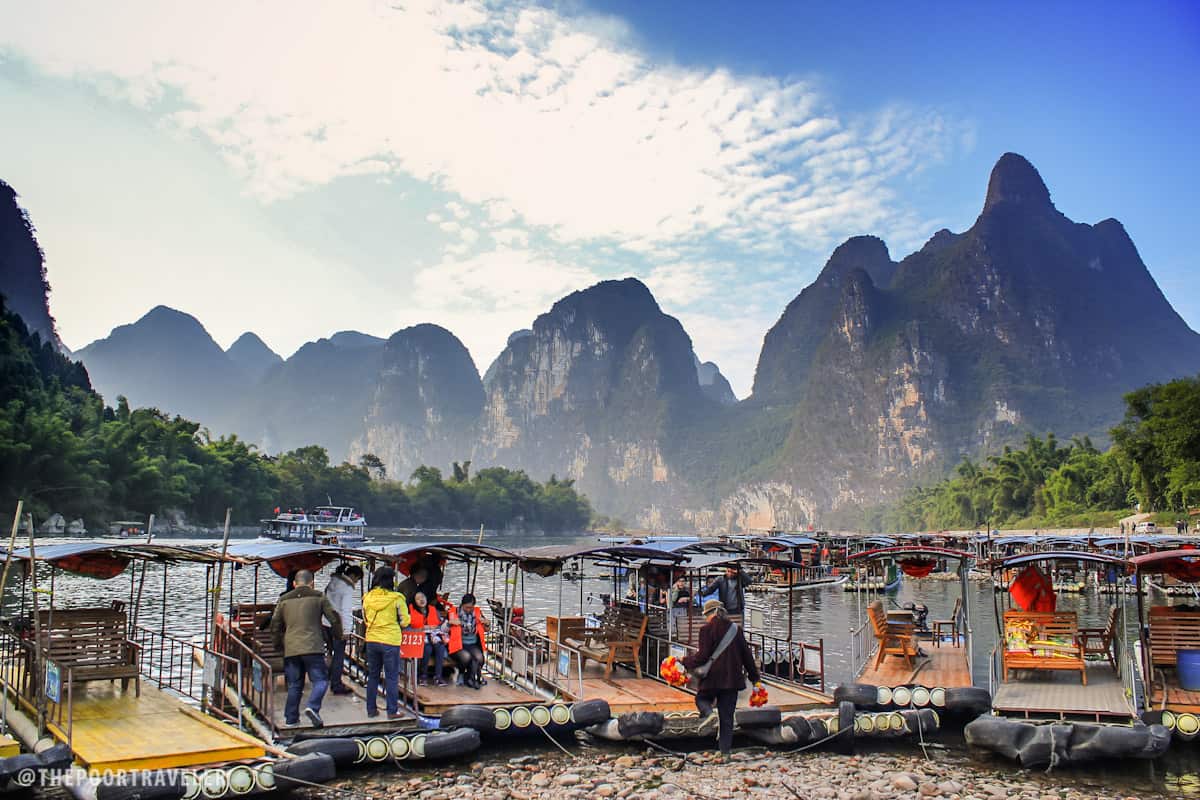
383	658
438	652
294	670
726	703
470	661
337	659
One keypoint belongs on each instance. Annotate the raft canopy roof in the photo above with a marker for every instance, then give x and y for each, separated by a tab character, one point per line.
912	551
104	560
454	551
703	561
1183	565
1058	555
549	559
770	542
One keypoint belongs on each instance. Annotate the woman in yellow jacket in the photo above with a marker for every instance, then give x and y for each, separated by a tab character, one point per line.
385	613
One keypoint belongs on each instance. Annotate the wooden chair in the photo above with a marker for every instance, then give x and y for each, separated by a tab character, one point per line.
952	624
91	644
894	638
1060	625
619	637
1172	630
1100	641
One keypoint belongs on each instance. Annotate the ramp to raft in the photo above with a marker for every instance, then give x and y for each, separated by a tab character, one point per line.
115	729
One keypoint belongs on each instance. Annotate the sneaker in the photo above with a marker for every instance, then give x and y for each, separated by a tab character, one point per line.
314	718
341	690
422	682
396	716
295	721
708	725
440	682
372	713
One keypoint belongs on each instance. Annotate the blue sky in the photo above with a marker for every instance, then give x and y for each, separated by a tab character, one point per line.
300	168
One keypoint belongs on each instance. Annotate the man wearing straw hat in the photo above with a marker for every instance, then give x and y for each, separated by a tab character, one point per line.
721	662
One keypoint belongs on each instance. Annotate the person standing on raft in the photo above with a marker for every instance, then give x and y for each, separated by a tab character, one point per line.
296	628
725	653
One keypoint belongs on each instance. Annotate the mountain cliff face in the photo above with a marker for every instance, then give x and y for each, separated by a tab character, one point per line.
595	393
876	375
22	268
1025	322
167	360
252	356
425	403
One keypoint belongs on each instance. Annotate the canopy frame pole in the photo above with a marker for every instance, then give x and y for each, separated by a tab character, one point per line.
39	678
12	543
216	606
137	604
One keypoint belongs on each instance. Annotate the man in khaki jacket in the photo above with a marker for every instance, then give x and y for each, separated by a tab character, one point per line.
296	627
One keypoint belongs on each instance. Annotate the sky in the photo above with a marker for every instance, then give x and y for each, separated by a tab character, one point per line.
298	168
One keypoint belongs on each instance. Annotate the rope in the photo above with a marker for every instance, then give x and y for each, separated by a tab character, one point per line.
556	743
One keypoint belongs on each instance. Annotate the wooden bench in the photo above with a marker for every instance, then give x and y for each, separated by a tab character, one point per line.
1101	641
251	624
1045	625
894	638
619	636
91	644
1172	630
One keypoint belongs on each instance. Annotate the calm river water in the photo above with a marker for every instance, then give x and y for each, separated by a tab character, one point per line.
827	614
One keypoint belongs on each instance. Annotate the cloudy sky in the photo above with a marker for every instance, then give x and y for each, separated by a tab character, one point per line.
297	168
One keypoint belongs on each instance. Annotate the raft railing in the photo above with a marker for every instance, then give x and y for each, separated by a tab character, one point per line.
862	644
530	657
656	648
22	675
171	663
254	679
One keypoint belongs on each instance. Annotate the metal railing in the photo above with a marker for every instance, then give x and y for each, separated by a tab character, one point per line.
205	677
247	674
862	643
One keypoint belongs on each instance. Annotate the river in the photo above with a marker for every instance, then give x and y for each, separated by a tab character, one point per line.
828	614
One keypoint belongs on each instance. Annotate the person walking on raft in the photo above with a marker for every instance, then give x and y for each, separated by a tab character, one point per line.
724	650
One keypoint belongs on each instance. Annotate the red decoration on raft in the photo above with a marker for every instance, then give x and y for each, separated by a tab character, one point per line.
671	671
917	567
758	697
1033	591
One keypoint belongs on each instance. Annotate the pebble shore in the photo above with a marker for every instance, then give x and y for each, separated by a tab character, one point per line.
649	775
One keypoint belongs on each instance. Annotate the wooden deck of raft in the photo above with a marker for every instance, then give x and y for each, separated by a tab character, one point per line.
625	692
116	729
1040	693
944	666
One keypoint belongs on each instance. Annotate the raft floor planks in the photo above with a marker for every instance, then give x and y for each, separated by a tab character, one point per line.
1041	692
944	666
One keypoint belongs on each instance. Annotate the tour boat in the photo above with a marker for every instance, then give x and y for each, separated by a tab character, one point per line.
331	525
1168	652
900	658
1051	703
799	549
115	697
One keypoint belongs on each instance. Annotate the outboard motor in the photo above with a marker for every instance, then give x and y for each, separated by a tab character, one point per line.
920	613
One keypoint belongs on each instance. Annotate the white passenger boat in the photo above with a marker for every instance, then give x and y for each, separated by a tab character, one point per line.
323	525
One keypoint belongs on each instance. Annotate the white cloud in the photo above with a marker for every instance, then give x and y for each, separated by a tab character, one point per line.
511	237
487	296
526	109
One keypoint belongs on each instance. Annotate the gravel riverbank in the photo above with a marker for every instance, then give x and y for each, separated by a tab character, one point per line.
653	776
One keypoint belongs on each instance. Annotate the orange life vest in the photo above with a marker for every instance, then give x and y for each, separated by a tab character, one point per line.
1033	591
456	630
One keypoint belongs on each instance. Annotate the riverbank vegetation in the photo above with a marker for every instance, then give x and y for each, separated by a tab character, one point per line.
62	450
1153	463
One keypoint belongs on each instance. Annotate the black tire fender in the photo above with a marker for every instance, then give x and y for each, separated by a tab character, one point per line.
766	717
448	744
844	742
586	713
344	752
155	785
639	723
311	768
480	718
968	701
862	695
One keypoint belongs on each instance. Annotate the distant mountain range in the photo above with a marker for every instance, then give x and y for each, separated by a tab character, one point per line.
877	374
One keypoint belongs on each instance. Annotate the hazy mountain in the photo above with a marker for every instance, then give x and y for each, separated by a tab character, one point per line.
252	356
713	383
167	360
425	403
23	269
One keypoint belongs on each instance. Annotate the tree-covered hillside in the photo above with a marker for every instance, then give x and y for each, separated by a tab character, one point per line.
62	450
1154	462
